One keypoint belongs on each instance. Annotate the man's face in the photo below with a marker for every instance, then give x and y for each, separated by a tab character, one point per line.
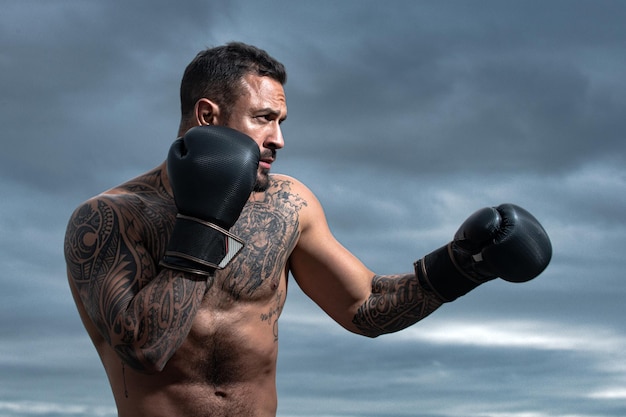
258	112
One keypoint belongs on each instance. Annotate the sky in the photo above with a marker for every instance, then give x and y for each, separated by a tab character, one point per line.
404	118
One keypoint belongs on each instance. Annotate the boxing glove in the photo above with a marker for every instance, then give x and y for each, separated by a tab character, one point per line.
504	241
212	171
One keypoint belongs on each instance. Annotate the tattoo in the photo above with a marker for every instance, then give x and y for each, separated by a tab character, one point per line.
124	378
270	230
396	302
271	317
112	246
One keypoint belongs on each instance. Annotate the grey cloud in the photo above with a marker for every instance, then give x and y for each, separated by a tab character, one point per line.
404	118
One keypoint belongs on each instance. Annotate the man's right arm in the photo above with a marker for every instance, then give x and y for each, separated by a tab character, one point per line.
143	314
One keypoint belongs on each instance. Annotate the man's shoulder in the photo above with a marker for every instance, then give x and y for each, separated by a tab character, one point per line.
280	178
130	212
292	193
283	181
144	192
146	186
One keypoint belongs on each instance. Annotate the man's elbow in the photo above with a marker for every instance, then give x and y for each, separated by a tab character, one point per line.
143	361
371	332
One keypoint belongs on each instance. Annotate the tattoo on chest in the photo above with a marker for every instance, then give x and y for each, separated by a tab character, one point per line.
113	245
270	229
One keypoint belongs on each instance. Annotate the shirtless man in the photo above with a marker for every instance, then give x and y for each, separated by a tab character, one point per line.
187	326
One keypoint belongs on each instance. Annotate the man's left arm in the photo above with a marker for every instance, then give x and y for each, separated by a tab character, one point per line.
504	241
396	302
350	293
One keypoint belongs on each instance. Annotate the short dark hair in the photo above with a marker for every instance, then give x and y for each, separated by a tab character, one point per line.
216	73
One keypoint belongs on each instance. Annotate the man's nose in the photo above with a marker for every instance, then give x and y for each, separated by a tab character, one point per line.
276	141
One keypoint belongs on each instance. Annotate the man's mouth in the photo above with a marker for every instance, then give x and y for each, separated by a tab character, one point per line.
267	160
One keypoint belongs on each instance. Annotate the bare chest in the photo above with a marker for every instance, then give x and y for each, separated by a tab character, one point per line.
270	230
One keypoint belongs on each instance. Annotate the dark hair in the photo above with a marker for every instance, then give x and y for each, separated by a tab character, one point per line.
216	74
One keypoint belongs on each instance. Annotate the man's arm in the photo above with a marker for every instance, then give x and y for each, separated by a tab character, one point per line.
113	241
143	314
504	241
349	292
395	303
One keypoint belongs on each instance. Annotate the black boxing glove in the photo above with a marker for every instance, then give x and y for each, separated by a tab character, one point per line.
504	241
212	171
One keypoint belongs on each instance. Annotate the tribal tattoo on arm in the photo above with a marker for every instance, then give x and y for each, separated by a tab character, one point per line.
110	249
396	302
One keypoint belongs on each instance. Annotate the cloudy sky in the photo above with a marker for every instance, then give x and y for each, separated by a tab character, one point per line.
404	118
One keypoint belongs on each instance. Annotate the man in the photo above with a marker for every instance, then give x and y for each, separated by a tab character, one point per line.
180	274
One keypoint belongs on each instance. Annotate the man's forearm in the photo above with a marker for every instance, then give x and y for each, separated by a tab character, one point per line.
396	302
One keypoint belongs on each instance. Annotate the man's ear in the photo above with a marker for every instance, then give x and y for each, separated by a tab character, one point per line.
206	112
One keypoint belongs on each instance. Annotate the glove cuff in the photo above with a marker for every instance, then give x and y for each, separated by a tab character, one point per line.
200	247
439	273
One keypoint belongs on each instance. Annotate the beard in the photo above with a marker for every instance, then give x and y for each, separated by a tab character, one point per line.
262	181
263	174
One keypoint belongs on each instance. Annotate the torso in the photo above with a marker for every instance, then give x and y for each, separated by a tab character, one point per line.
227	364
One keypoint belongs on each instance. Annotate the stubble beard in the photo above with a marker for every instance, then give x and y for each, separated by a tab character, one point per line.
263	174
262	181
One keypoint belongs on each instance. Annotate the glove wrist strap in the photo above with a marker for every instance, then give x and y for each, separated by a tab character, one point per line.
439	273
199	246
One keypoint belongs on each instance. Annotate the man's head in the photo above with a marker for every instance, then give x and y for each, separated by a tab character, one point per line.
239	86
217	73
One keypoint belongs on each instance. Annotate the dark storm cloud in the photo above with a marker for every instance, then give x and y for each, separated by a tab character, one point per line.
88	83
500	89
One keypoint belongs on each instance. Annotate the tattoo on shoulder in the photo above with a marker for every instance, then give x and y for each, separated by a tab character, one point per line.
88	233
110	247
150	182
